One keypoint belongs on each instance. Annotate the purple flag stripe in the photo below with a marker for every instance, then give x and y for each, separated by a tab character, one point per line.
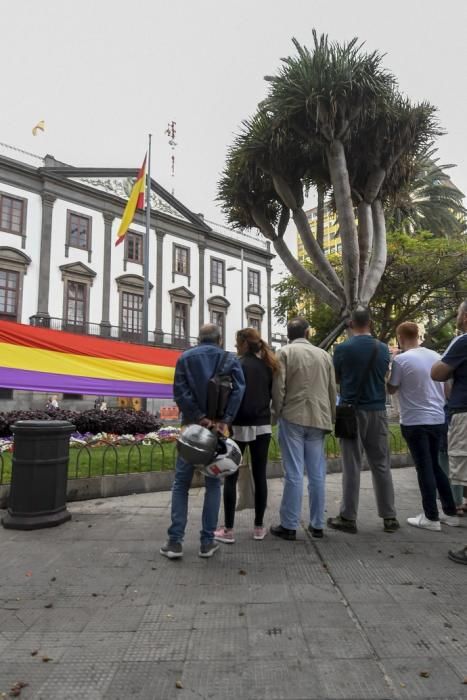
47	381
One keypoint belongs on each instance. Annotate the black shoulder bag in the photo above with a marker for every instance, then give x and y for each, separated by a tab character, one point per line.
219	390
346	415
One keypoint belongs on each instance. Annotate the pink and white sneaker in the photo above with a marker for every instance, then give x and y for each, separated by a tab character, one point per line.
223	534
259	533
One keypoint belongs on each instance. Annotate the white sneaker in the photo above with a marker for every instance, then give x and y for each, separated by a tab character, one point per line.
452	520
422	521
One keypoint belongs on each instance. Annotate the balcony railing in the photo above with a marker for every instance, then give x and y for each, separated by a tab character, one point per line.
157	338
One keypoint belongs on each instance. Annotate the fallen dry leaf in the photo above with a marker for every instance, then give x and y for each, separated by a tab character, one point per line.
242	572
35	652
28	573
46	658
49	605
178	684
16	689
464	681
424	674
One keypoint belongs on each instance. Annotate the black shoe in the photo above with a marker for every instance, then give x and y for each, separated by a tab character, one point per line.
340	523
391	524
208	549
172	550
315	532
283	532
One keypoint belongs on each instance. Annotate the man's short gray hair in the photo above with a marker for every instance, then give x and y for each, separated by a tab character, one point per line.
209	333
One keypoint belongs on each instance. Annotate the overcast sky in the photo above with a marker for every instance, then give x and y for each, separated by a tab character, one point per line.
104	73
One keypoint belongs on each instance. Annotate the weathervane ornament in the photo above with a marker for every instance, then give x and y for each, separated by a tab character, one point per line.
171	132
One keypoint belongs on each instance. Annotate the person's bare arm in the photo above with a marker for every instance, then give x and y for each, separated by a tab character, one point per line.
441	372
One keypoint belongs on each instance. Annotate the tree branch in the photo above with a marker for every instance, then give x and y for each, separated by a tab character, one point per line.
265	226
284	191
379	254
306	278
340	181
365	241
373	185
335	333
316	254
283	221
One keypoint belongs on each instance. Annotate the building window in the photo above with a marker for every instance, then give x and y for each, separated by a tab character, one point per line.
6	393
9	295
217	272
218	319
181	299
180	320
181	260
254	322
75	308
79	231
72	397
253	282
134	247
132	314
12	214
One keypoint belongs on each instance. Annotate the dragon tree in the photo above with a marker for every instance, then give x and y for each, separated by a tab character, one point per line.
333	119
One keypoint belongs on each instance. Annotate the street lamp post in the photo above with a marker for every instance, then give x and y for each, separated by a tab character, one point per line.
240	269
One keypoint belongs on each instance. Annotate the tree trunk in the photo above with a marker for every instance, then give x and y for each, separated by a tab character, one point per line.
320	217
365	241
306	278
317	256
379	255
348	228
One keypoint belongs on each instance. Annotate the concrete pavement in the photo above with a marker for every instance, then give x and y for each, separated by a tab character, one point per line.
90	610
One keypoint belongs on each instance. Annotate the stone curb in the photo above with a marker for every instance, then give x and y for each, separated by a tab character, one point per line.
147	482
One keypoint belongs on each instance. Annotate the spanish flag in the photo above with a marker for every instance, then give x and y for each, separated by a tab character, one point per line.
136	201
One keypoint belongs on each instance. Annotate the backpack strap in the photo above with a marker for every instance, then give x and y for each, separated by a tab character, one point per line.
222	362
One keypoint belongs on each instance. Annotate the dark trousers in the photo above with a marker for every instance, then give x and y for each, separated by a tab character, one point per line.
424	442
259	449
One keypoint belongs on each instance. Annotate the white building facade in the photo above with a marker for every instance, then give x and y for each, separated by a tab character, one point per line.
59	267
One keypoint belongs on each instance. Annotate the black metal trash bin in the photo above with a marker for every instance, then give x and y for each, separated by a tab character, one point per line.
39	476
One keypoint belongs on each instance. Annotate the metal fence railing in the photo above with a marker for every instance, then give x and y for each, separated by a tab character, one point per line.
104	458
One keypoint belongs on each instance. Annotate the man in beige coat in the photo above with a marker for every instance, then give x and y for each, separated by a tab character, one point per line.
304	403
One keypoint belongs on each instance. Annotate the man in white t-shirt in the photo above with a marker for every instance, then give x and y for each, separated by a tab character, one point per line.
422	424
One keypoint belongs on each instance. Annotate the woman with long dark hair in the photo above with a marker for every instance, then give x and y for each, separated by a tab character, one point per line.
252	429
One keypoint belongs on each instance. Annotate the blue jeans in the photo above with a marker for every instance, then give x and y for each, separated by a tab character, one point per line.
302	447
212	500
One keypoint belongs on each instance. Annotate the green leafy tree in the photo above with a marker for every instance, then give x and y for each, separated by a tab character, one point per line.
424	281
333	118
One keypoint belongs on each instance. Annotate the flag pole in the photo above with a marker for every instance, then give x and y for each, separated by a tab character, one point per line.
145	324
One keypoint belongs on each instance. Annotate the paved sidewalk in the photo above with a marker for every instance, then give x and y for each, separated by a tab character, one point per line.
371	615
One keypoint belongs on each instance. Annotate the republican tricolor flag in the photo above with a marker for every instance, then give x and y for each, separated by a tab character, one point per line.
136	201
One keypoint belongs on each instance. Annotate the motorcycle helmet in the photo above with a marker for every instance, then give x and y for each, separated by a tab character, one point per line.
197	445
226	461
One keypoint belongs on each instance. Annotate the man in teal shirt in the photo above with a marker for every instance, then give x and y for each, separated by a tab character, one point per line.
351	360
